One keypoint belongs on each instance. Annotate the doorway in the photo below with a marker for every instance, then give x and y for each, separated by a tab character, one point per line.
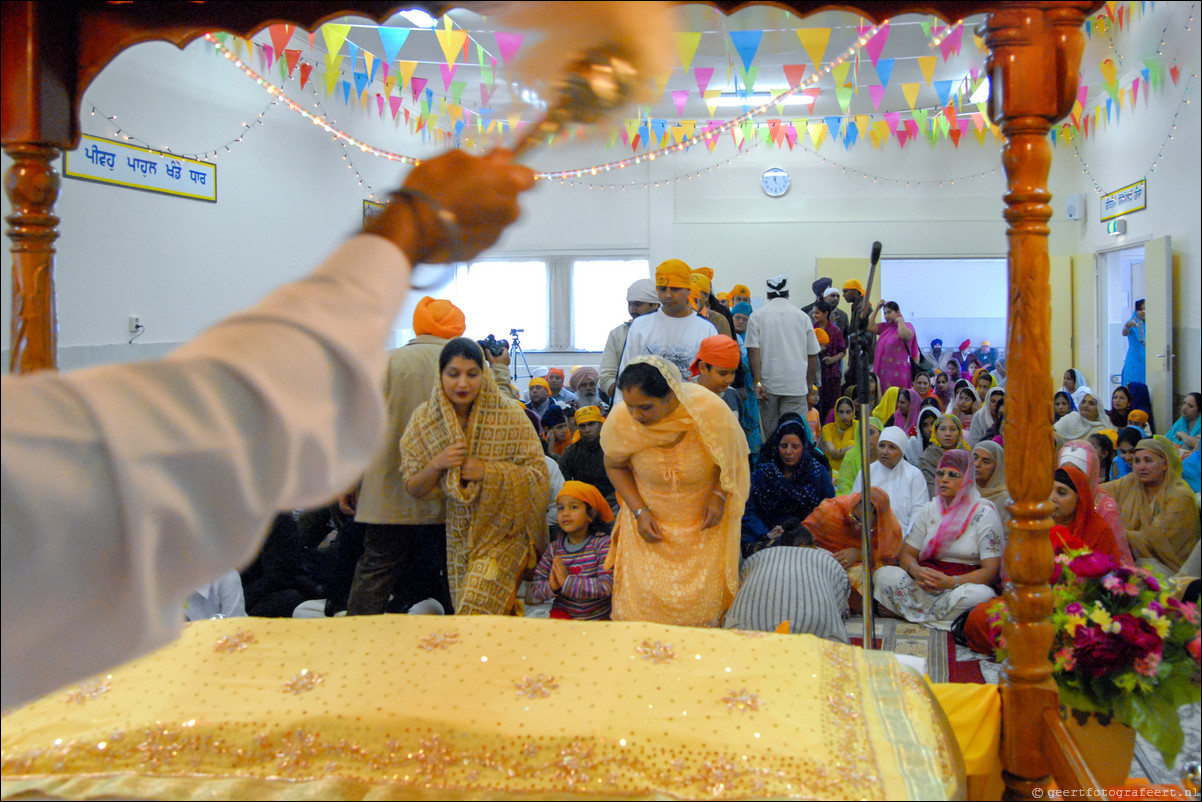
1120	286
1125	275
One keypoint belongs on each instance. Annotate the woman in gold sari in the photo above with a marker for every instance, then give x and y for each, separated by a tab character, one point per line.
1158	507
677	458
479	450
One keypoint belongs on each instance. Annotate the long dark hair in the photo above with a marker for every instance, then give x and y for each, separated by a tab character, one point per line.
461	346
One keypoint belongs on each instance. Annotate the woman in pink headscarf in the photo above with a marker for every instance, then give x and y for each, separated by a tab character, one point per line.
896	347
951	557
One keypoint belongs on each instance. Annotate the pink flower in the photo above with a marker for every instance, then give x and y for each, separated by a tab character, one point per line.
1100	653
1092	566
1187	610
1148	665
1075	609
1195	649
1065	660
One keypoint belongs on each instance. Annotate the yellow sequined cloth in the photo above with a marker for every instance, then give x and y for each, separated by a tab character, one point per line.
417	707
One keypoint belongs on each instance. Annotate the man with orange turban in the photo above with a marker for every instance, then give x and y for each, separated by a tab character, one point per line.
674	332
404	537
559	395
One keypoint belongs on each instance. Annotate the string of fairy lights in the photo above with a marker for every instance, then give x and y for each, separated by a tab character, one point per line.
704	137
586	177
200	156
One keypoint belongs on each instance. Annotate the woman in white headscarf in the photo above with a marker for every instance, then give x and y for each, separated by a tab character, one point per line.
985	417
951	558
903	482
1075	385
1079	424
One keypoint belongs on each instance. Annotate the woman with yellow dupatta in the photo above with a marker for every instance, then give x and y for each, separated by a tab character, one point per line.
1158	507
478	448
678	459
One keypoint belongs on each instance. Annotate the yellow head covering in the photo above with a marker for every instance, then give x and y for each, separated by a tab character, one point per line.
438	317
700	281
854	284
708	271
590	495
538	381
589	415
740	289
673	273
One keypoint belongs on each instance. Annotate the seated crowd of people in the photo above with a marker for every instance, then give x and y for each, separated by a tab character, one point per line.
709	472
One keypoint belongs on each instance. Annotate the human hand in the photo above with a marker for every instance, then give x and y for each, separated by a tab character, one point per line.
828	360
559	573
450	457
472	470
497	359
760	392
775	532
477	194
932	581
848	557
349	501
715	507
648	529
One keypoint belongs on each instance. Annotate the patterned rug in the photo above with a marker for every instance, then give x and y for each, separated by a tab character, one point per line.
943	661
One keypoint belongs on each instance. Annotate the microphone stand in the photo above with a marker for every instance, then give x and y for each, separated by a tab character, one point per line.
861	340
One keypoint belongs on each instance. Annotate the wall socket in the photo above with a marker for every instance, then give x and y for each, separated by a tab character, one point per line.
135	323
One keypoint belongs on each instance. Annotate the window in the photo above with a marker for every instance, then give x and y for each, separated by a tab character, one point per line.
952	299
599	298
562	303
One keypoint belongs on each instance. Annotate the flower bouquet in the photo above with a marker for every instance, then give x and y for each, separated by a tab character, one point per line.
1124	646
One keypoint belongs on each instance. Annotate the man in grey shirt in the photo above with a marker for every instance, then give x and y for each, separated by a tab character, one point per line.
792	582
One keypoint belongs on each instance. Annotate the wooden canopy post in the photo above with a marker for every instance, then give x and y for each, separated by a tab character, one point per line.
1035	51
40	120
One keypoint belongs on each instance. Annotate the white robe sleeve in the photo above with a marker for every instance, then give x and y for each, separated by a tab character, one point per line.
126	486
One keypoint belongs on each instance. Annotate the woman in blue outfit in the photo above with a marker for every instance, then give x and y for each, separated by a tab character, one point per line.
1136	332
791	480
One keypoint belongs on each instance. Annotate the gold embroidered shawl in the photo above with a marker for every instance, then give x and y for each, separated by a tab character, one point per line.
496	520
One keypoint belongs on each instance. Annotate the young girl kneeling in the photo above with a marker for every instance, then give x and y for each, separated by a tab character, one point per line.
572	569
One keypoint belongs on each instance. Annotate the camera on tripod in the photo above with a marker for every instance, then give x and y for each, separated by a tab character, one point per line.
493	346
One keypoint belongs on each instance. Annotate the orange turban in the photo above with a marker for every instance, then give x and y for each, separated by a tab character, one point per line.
555	372
1137	417
440	318
823	337
723	296
590	495
699	281
854	284
741	289
538	381
673	273
589	415
707	271
719	350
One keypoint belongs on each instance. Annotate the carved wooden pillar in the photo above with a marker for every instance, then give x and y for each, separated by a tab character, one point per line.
31	184
1035	51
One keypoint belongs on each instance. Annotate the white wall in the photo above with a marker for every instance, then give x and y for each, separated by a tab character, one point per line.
1125	153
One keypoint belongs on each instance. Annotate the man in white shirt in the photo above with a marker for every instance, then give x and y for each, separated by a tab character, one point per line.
783	351
674	332
127	486
641	299
903	482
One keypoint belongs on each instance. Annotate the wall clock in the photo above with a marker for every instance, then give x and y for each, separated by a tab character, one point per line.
775	182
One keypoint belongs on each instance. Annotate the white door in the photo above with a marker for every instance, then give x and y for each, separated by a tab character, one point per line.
1158	284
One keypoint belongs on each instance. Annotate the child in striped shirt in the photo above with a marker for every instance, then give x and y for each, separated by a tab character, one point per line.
572	569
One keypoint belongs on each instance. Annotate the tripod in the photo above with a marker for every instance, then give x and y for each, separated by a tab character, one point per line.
515	348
